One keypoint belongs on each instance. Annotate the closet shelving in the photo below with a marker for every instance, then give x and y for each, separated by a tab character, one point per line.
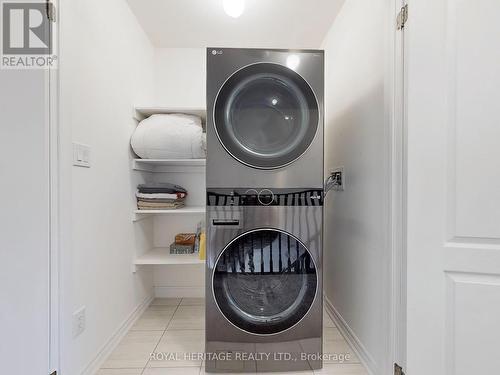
169	165
161	256
170	162
180	171
179	211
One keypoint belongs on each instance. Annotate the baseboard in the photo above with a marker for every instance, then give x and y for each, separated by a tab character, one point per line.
352	339
179	291
106	350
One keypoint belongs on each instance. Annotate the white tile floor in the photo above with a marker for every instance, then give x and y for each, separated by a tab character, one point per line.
175	325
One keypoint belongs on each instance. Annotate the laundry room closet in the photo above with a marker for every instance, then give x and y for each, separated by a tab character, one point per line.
180	82
122	62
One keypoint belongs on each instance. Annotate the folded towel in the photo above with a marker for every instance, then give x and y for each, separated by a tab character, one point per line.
159	206
160	188
157	200
160	195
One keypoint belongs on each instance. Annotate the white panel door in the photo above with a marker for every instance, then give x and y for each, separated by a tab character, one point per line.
24	223
453	156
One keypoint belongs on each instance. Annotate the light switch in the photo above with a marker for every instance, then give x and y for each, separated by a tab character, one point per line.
81	155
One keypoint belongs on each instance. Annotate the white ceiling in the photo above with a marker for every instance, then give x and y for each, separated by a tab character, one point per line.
265	23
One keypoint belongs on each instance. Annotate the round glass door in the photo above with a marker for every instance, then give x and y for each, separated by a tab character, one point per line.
266	115
264	281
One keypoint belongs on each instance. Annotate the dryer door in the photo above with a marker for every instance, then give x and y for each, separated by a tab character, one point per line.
265	281
266	115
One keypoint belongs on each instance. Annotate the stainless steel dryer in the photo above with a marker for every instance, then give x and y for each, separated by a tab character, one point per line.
264	279
265	118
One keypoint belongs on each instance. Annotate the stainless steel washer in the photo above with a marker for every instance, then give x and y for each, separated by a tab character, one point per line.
265	118
264	279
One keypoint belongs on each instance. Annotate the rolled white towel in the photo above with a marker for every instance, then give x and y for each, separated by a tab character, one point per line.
172	136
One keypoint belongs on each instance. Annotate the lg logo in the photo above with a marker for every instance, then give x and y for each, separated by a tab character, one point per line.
26	28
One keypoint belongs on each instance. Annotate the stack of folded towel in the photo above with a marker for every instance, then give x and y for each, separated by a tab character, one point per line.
160	196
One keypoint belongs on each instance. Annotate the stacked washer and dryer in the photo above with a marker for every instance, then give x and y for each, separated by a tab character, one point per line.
264	210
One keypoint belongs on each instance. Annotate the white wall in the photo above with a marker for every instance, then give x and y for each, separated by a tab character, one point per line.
180	77
106	69
356	220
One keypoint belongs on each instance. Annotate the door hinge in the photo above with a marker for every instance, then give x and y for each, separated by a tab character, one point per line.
402	17
51	15
398	370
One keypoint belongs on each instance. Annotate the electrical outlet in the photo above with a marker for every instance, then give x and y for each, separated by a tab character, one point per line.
338	176
79	322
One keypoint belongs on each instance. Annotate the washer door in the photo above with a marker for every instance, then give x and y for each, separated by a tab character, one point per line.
264	281
266	115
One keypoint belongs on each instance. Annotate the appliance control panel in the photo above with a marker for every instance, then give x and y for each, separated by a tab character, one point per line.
265	197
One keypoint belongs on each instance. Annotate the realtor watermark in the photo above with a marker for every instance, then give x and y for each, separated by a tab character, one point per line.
28	35
250	356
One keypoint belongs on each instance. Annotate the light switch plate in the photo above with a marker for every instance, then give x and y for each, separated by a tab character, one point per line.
79	321
81	155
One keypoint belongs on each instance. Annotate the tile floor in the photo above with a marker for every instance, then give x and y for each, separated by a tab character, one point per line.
175	325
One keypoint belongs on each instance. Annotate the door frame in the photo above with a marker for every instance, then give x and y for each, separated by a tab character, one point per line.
53	147
398	210
54	250
396	116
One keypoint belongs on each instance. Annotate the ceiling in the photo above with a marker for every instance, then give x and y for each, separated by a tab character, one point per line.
265	23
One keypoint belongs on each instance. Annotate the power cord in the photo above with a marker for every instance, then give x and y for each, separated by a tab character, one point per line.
331	182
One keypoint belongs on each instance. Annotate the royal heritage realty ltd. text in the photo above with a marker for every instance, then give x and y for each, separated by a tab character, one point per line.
248	356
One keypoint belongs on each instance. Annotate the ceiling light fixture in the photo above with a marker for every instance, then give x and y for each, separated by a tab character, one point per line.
234	8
